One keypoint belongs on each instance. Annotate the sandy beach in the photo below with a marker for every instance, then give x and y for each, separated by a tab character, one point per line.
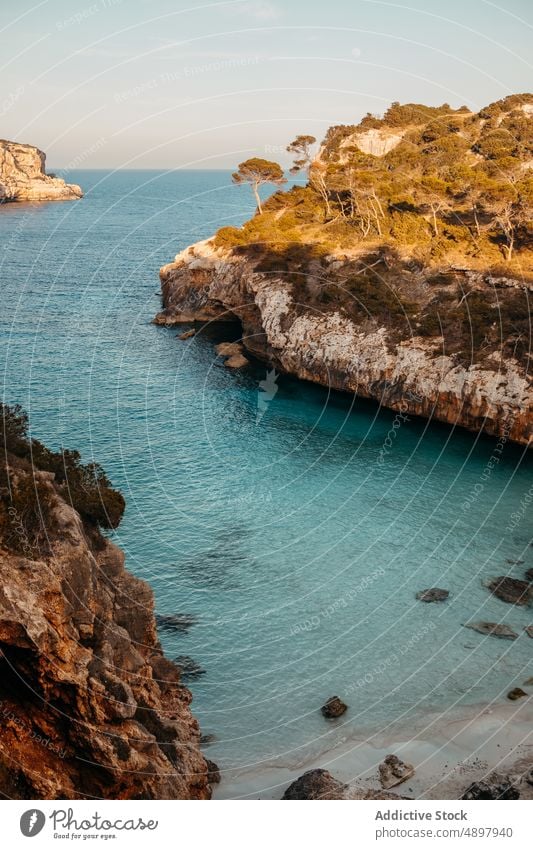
448	750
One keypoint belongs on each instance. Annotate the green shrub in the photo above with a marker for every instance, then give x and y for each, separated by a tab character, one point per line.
85	486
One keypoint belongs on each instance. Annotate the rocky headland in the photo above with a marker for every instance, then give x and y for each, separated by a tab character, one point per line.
89	705
401	272
23	177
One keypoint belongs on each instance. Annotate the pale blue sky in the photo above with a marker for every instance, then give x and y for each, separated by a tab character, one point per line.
177	83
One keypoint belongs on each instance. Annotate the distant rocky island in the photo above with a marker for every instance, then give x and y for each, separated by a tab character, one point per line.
23	177
89	705
402	271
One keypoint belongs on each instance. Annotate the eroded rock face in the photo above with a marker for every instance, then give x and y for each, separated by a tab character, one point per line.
23	177
89	705
316	784
412	376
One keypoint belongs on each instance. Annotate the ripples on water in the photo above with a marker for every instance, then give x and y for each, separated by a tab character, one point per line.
298	552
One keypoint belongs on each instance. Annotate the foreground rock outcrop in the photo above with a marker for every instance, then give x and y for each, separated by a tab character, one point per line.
411	375
314	785
89	705
23	176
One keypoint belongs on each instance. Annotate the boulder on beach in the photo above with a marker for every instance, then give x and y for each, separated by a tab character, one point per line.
492	629
316	784
394	771
334	708
494	786
515	694
511	590
433	594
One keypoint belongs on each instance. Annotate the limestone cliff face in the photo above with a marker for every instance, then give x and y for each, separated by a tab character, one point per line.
89	705
23	177
412	375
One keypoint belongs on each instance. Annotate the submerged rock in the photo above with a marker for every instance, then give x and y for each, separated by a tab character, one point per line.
529	575
188	667
316	784
515	694
492	629
394	771
511	590
176	622
333	708
213	772
493	787
433	594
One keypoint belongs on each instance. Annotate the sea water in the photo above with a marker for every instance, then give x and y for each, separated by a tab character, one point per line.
295	525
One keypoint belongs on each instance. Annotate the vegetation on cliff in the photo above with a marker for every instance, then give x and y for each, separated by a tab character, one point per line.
433	226
26	517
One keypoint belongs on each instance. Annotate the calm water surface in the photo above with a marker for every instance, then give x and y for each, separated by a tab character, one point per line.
297	551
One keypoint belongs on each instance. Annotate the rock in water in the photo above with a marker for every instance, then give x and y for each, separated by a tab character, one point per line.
316	784
529	630
433	594
23	177
515	694
529	575
175	622
334	708
213	772
229	349
188	667
512	590
187	334
394	771
492	629
493	787
236	361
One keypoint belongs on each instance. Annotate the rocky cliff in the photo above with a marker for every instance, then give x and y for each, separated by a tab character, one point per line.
23	176
89	705
322	343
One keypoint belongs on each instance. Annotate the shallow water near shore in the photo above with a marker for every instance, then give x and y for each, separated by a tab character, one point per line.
276	520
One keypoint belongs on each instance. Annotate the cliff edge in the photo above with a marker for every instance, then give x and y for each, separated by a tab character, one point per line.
23	176
401	271
89	705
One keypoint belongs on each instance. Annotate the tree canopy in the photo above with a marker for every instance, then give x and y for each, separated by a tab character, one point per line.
257	172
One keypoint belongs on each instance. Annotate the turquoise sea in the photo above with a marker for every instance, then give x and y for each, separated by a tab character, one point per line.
273	523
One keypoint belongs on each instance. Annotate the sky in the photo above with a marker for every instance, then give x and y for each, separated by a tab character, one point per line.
184	84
